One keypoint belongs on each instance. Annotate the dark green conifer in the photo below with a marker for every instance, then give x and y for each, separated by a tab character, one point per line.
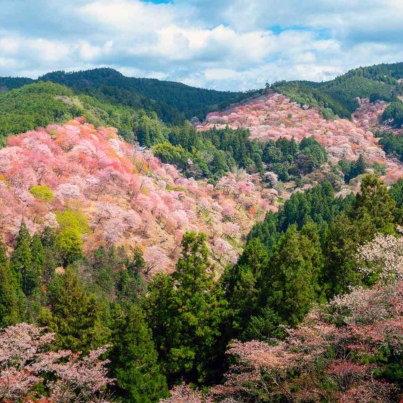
73	314
185	313
21	259
134	359
9	310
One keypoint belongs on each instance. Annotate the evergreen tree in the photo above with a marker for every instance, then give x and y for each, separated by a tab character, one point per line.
9	310
340	249
21	259
52	258
375	201
37	263
242	288
134	359
185	313
73	315
291	280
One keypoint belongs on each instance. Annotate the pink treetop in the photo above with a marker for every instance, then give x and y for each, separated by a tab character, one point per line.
25	357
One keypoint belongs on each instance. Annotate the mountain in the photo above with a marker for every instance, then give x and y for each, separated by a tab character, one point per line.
338	96
190	101
170	100
270	232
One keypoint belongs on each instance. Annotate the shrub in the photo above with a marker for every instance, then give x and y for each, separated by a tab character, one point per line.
42	193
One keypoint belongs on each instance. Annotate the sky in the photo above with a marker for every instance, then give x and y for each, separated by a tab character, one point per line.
219	44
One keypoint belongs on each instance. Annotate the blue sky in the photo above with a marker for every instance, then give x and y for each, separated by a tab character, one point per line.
221	44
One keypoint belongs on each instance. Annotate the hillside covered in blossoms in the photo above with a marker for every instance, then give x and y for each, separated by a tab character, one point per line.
253	257
274	116
121	196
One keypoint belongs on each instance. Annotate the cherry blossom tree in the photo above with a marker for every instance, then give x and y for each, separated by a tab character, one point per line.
184	394
156	260
26	361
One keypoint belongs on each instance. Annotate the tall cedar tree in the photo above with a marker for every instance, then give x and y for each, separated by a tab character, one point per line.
242	288
37	262
134	359
292	278
21	259
9	311
73	315
185	311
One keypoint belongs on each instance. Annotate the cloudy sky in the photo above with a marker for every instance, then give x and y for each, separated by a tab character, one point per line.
220	44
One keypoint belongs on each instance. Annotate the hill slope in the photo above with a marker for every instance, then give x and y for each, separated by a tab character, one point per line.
121	197
273	116
338	96
40	104
188	100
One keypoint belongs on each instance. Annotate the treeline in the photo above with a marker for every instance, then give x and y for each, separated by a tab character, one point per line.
305	254
177	327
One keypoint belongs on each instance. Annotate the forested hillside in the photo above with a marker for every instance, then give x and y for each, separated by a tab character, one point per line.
338	96
253	257
188	100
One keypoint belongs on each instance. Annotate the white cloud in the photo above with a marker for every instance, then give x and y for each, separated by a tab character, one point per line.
223	44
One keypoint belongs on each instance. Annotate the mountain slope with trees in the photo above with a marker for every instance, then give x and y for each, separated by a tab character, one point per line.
338	96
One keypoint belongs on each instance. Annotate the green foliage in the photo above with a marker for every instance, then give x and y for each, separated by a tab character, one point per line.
396	191
149	131
292	276
31	106
11	83
238	149
40	104
37	261
69	244
74	315
185	311
345	89
303	93
21	260
351	169
42	192
338	96
9	310
375	202
175	155
188	100
242	288
394	113
73	219
287	157
211	153
311	244
134	359
392	144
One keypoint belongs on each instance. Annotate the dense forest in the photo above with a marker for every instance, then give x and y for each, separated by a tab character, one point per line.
188	100
172	101
311	310
178	327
